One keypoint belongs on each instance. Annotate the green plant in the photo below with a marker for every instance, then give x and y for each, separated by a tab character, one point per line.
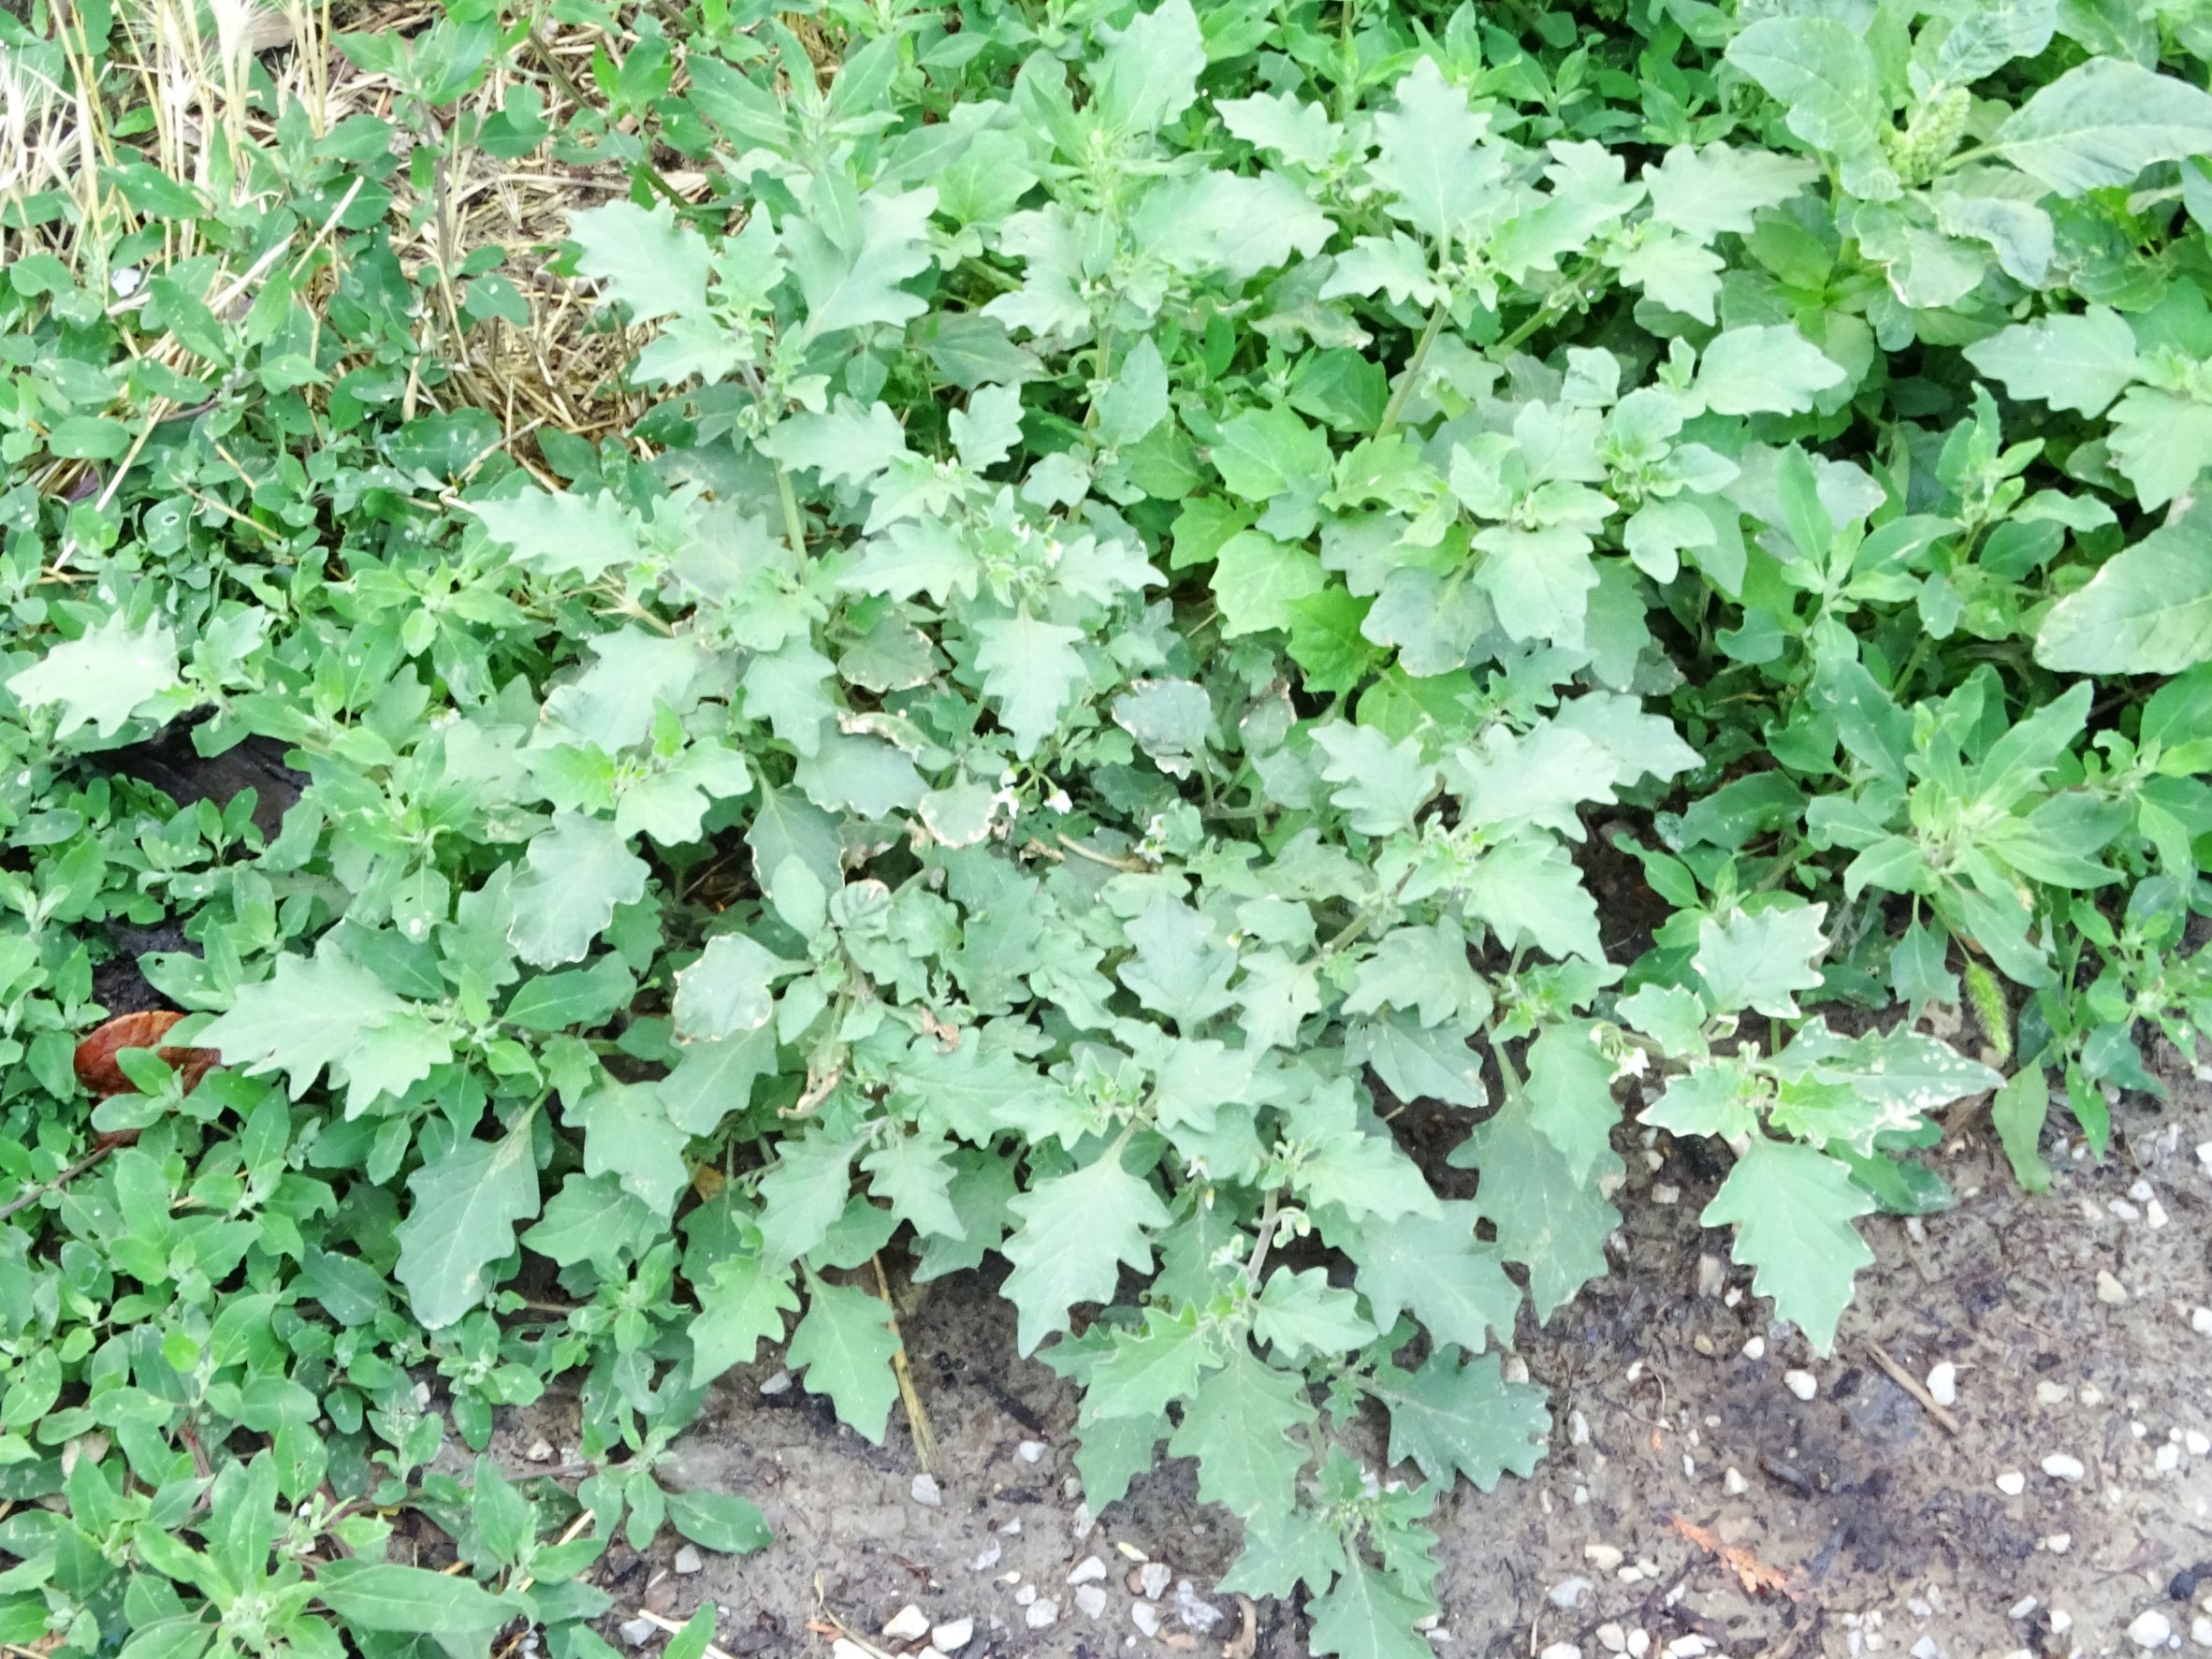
1153	542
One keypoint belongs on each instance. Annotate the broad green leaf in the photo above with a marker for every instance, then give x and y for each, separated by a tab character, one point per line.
851	252
1300	1313
1758	960
726	991
1143	1371
842	1348
1824	76
311	1011
2102	123
1077	1232
466	1205
101	677
573	878
1182	968
1147	75
627	1135
1367	1615
1239	1427
720	1521
1547	1218
2147	610
1435	1270
1792	1208
1380	785
1706	192
1764	368
2162	443
591	1218
1258	582
804	1194
568	534
1880	1081
741	1305
1433	160
1570	1094
715	1079
2078	362
1456	1417
641	257
383	1596
1030	668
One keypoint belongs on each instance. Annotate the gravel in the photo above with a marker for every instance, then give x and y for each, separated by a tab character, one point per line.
1088	1570
1573	1593
1801	1383
1041	1613
2061	1466
2012	1483
1145	1617
925	1491
688	1560
910	1624
638	1631
1943	1384
1090	1600
952	1635
2150	1629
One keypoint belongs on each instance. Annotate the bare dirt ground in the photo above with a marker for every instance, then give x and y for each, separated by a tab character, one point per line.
1693	1502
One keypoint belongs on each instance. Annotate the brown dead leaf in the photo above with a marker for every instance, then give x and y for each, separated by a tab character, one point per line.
1754	1575
97	1068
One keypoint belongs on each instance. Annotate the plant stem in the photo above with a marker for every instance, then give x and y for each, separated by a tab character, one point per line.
1403	389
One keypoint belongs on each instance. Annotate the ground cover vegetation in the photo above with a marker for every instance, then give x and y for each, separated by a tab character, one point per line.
1026	636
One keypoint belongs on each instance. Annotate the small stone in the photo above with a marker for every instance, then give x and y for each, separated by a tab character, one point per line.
2168	1459
2051	1393
1145	1617
2197	1442
2012	1483
1639	1643
1734	1484
2021	1609
951	1635
1154	1577
910	1624
688	1560
1800	1383
925	1491
2155	1214
1562	1651
1926	1649
541	1452
779	1383
2062	1620
2059	1543
1577	1592
1026	1594
1604	1557
2200	1320
1197	1614
988	1559
1943	1384
1089	1569
1755	1349
1578	1429
2110	1291
2091	1394
2061	1466
1090	1601
1040	1614
1612	1638
1515	1368
1712	1275
1029	1451
1667	1193
638	1631
2150	1628
2200	1631
1689	1647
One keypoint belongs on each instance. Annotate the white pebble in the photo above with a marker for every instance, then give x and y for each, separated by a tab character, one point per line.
2110	1291
1087	1570
2052	1394
1578	1429
2092	1395
1734	1484
1604	1557
2168	1459
952	1635
2150	1628
1689	1647
2021	1609
1029	1451
541	1452
1199	1616
2155	1214
2062	1620
1154	1577
777	1383
2012	1483
1755	1349
2059	1543
1090	1601
2200	1320
925	1491
1943	1384
1562	1651
2061	1466
1612	1637
988	1559
1926	1649
1145	1617
1800	1383
1639	1643
2197	1443
688	1560
1041	1613
1572	1593
2200	1630
907	1624
638	1631
1026	1594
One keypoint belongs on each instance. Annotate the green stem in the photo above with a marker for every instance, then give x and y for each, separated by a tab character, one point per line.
794	524
1413	371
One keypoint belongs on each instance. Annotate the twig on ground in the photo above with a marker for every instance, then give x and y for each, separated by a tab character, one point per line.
1915	1387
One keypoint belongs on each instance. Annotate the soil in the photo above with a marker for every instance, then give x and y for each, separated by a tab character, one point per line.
1690	1492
